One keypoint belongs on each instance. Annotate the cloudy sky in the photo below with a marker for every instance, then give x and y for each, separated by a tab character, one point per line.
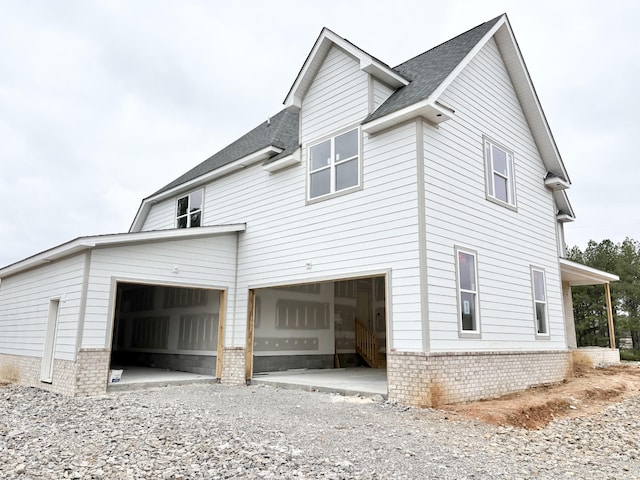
103	103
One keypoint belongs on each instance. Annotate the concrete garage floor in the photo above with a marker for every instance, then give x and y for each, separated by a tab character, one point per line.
347	381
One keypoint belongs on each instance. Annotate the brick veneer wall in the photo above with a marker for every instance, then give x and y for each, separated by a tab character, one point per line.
233	366
87	376
92	371
430	379
601	356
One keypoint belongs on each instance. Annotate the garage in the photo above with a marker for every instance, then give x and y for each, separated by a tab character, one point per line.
166	327
324	325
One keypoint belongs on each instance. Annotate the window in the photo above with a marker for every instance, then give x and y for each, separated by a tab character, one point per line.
499	171
540	301
189	210
468	317
334	165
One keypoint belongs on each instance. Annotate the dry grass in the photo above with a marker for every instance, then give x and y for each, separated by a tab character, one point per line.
8	374
581	363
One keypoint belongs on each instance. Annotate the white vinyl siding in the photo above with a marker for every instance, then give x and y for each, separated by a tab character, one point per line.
24	308
507	241
338	237
161	216
380	93
205	262
337	98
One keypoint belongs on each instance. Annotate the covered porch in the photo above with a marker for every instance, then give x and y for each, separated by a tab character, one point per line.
575	274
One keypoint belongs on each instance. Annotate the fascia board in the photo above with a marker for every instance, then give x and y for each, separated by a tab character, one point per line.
588	273
293	98
239	164
282	163
434	113
521	79
562	202
112	240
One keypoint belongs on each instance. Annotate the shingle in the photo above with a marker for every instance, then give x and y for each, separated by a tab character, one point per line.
425	72
428	70
280	131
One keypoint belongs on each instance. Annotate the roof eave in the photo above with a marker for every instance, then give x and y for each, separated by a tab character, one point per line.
240	164
433	112
577	274
521	80
118	239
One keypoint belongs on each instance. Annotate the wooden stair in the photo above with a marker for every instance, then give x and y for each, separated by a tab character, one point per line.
367	346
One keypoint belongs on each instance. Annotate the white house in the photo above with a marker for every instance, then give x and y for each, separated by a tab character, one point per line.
407	218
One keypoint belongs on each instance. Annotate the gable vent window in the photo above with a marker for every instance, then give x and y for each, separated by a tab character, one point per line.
500	180
334	164
189	213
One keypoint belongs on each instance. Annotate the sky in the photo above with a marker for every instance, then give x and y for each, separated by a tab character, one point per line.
103	103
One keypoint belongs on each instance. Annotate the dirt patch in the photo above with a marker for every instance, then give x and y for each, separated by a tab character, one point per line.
587	392
8	374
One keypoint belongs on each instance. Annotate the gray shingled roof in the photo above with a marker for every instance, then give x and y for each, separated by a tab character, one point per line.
280	131
429	69
425	72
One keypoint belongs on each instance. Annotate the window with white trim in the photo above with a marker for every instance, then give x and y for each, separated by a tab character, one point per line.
500	179
334	164
189	210
468	314
540	301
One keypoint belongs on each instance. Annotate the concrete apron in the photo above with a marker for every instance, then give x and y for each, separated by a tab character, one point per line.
362	381
135	378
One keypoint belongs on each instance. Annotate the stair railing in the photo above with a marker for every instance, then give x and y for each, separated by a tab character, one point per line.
367	344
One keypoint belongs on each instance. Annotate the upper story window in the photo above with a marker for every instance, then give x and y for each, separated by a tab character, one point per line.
540	301
334	164
500	179
468	315
189	212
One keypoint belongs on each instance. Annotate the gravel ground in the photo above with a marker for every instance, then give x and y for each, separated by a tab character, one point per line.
215	431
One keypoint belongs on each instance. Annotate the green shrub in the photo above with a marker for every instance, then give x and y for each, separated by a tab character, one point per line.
628	354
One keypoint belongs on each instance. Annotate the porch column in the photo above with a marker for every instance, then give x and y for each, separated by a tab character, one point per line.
569	320
612	334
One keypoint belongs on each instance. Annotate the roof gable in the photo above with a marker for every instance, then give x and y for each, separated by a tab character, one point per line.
419	82
314	60
429	70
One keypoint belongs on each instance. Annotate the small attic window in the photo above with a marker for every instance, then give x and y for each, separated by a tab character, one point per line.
499	174
189	210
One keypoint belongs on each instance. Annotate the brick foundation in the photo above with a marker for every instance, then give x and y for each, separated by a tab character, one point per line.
87	376
92	371
600	356
429	379
233	366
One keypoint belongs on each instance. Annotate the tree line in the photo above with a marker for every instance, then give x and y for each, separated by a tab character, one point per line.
590	311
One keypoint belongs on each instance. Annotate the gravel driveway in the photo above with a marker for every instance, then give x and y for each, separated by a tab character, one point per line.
215	431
